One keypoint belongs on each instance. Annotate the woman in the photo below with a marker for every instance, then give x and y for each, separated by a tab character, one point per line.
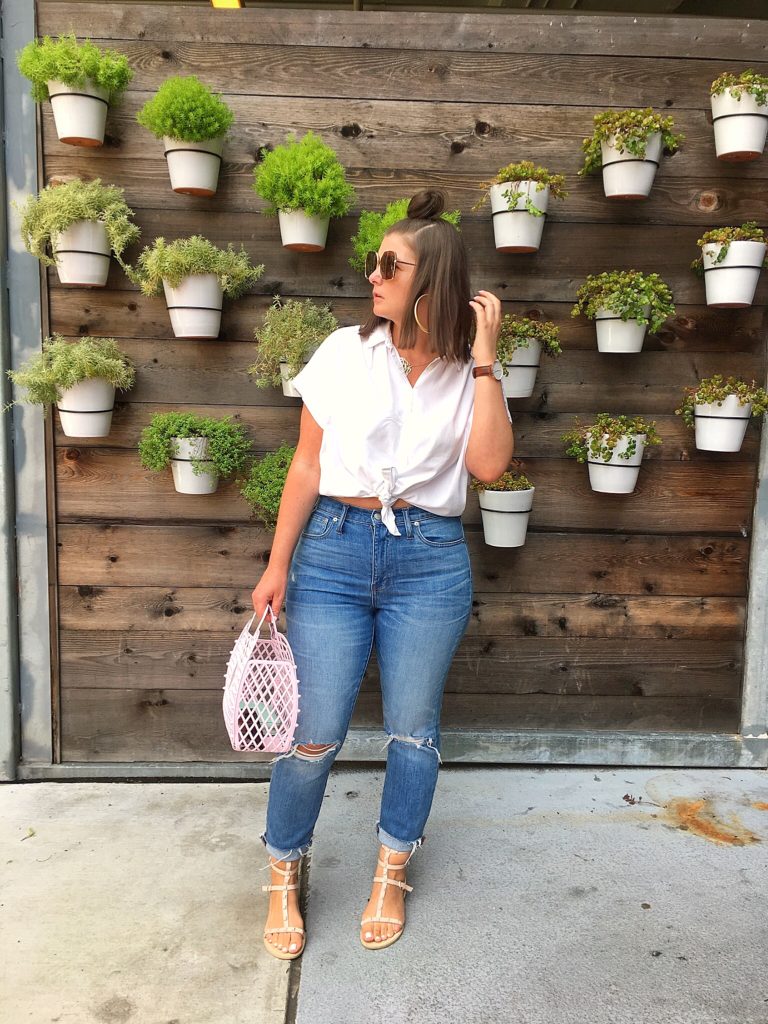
397	413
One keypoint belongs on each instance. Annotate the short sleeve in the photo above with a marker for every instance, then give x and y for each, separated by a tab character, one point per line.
315	383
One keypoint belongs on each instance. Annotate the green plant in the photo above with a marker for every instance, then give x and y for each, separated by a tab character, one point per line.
65	60
58	207
509	481
304	175
518	332
173	261
748	81
525	170
714	391
599	439
291	332
264	487
184	108
748	232
626	293
62	364
372	227
629	131
228	445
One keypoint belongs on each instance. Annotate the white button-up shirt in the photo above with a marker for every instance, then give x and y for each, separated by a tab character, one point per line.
383	437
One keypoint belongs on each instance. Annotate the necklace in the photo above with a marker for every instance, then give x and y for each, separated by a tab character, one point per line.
409	367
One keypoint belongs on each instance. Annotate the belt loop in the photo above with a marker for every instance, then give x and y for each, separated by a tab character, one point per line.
407	522
342	517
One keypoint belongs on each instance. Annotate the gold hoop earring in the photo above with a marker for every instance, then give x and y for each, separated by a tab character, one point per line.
419	324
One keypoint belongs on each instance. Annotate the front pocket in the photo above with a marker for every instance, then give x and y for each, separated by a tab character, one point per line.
317	526
439	532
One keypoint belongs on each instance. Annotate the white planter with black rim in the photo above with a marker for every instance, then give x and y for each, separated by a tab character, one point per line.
517	230
732	282
522	368
720	427
302	232
505	516
741	126
85	409
626	176
82	254
194	166
80	112
288	389
617	475
185	480
617	335
195	306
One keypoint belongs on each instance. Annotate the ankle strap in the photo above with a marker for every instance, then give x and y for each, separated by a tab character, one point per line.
286	873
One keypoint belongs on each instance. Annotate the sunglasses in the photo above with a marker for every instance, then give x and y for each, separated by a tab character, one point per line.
387	264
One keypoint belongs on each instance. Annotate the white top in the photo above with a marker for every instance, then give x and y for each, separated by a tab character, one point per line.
383	437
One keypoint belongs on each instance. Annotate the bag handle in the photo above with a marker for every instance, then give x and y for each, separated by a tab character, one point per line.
272	624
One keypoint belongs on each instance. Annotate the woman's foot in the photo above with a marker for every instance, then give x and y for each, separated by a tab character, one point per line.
384	916
284	931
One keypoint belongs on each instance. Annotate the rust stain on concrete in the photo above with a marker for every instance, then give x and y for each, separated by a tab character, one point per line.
698	816
760	805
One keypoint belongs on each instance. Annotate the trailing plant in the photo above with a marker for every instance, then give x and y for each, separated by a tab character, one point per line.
748	232
714	391
599	439
626	293
290	333
173	261
373	226
518	332
512	480
184	108
525	170
264	487
62	364
228	445
65	60
748	81
628	130
58	207
303	175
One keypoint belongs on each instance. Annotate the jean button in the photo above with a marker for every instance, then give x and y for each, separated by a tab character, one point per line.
377	516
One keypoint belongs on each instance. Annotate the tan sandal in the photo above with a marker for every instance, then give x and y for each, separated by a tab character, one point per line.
291	873
384	880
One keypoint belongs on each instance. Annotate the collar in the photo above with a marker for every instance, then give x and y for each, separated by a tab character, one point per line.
382	333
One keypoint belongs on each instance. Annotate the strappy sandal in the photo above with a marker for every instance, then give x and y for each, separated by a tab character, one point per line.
384	881
296	929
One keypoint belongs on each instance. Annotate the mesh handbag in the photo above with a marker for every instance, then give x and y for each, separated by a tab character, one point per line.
261	697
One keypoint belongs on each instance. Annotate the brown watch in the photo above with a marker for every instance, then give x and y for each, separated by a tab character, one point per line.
495	370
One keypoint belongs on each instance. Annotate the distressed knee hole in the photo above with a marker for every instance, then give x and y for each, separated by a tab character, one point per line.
420	742
314	751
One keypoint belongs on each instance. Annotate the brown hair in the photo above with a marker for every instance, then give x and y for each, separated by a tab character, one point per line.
442	272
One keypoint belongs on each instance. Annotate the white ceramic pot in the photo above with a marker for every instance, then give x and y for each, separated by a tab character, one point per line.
194	166
741	126
616	475
522	368
505	517
626	176
85	409
302	232
721	427
733	281
195	306
617	335
288	389
80	114
82	254
185	480
516	230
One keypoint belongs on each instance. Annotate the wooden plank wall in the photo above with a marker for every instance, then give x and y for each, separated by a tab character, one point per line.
619	613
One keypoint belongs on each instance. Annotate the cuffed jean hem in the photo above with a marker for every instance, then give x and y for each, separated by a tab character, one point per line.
288	855
399	845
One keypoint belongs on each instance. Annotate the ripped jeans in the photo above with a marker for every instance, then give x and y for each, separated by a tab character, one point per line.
351	585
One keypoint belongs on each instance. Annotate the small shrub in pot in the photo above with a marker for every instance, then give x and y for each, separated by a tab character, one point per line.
613	447
719	410
200	449
521	343
623	303
627	145
740	114
730	263
291	332
505	506
520	194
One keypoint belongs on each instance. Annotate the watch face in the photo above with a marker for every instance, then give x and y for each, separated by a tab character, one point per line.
498	370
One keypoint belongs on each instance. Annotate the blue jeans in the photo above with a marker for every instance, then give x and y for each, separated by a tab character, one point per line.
351	585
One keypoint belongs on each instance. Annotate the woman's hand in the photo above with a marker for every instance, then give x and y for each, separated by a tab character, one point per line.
487	309
270	590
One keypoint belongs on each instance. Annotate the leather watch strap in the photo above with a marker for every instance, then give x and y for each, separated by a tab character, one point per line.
482	371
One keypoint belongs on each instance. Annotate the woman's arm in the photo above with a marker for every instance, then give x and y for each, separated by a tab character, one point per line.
302	485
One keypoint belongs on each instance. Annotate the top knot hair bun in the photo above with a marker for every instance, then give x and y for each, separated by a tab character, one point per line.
426	205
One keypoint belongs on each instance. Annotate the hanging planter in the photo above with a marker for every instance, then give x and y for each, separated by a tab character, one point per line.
521	342
80	81
80	378
623	304
195	275
192	121
731	261
628	145
291	332
519	197
613	448
719	411
193	472
373	226
263	488
505	507
740	115
200	450
303	182
82	252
